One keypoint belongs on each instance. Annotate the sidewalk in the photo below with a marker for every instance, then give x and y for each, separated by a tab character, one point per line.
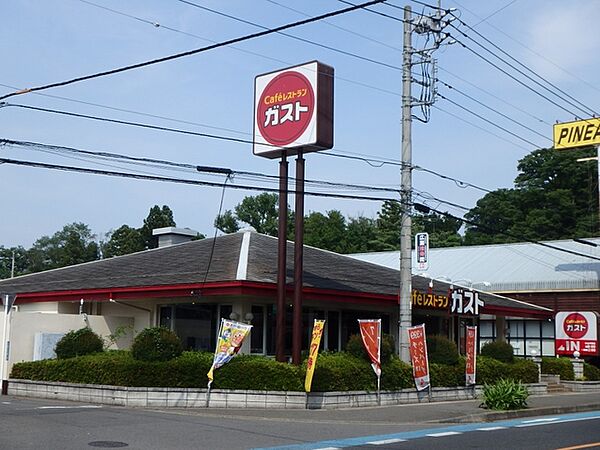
440	412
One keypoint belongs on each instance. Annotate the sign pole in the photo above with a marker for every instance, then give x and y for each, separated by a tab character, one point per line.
298	262
281	260
8	303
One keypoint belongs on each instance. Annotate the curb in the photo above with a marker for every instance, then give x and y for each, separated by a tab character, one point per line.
507	415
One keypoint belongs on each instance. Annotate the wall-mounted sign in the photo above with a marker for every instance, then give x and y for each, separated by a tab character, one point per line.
435	301
422	251
465	302
293	110
576	134
576	332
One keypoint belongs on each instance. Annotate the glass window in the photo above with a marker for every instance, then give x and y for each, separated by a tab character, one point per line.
196	326
532	328
166	317
258	328
547	348
486	329
533	345
333	330
518	346
547	329
516	328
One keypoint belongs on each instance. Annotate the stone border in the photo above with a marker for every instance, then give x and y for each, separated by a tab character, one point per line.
220	398
582	386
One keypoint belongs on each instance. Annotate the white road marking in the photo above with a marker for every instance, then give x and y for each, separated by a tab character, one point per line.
385	442
69	407
546	419
445	433
491	428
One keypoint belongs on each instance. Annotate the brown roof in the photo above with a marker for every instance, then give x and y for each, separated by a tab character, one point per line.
228	258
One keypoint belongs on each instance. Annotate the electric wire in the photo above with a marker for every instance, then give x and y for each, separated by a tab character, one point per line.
488	121
577	104
194	51
494	110
264	189
291	36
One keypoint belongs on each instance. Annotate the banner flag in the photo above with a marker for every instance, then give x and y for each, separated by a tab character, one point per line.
370	331
418	356
313	352
229	342
471	344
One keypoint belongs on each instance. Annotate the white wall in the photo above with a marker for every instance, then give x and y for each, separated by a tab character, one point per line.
24	326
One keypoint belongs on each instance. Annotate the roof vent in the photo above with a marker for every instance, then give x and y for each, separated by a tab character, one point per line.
171	235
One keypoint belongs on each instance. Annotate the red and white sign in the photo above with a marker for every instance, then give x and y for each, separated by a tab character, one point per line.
471	363
576	332
293	110
370	331
422	250
418	356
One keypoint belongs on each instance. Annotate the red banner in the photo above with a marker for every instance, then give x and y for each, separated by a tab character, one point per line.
418	356
370	331
471	347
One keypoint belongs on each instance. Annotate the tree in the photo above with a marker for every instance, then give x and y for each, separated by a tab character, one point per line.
388	225
555	197
74	244
326	232
157	218
361	235
123	240
443	230
227	223
21	261
261	212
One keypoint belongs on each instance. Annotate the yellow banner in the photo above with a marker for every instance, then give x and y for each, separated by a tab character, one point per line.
577	134
313	352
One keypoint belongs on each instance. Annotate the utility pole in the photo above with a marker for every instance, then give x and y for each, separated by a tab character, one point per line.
405	310
433	25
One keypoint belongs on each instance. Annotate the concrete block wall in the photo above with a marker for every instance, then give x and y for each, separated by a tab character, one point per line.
145	397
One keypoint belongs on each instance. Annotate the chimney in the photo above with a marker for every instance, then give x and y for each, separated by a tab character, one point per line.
171	235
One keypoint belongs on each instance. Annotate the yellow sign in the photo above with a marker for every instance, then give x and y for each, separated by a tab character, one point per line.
577	134
313	352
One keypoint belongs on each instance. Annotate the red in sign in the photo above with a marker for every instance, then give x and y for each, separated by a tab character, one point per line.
575	326
285	108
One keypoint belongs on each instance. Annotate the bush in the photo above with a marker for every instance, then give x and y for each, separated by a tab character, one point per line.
505	394
590	372
558	366
356	348
500	350
396	375
342	372
442	350
78	343
156	344
490	370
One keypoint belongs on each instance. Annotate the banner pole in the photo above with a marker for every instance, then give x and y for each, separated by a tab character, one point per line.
379	390
208	393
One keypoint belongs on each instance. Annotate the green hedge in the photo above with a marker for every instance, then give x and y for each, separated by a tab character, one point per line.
334	372
590	372
558	366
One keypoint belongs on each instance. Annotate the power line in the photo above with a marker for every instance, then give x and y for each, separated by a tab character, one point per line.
181	180
291	36
195	51
372	161
192	167
494	110
262	189
496	66
581	106
488	121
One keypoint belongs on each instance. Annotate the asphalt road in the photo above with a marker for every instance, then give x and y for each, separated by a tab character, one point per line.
43	424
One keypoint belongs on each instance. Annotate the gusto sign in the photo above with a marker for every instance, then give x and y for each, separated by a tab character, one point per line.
293	110
576	332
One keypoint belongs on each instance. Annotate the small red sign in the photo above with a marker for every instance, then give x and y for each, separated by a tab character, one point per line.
418	356
285	108
471	347
575	325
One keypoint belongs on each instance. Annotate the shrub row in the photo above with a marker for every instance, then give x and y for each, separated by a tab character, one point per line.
558	366
334	372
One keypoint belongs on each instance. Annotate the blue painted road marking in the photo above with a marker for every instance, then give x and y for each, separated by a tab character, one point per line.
383	439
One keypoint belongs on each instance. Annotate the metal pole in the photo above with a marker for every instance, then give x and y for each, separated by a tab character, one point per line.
281	260
298	262
405	313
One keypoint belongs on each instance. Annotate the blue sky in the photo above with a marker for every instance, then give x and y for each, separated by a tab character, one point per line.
44	42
